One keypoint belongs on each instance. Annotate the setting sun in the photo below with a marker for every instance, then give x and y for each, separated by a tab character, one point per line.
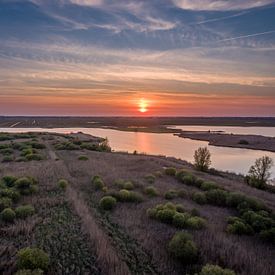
143	105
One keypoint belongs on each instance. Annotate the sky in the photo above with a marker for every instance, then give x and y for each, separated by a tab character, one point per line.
137	57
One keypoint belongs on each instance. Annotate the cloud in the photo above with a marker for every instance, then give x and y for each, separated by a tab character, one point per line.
89	3
220	5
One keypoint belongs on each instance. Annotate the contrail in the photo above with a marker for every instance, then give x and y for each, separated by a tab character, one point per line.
245	36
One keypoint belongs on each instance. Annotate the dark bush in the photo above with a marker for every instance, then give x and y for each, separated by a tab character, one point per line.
209	185
183	248
180	208
6	152
24	211
268	235
151	191
7	159
9	180
170	171
30	157
181	173
25	185
128	196
7	215
239	228
215	270
97	183
5	203
189	180
150	178
11	193
107	203
166	215
171	194
62	184
128	185
216	197
196	223
33	258
180	220
83	158
243	142
199	197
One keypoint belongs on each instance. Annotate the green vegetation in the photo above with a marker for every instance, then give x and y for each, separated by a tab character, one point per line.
26	185
183	248
5	203
98	182
30	272
127	196
199	197
171	194
151	191
24	211
122	184
170	171
150	178
259	173
7	215
215	270
83	158
33	258
202	159
108	203
62	184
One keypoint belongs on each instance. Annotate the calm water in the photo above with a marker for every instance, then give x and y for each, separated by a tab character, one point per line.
264	131
227	159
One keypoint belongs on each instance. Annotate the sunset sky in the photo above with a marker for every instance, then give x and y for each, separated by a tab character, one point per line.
137	57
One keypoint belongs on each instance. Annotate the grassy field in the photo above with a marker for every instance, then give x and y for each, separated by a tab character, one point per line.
93	211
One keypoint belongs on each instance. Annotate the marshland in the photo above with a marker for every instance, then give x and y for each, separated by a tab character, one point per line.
71	205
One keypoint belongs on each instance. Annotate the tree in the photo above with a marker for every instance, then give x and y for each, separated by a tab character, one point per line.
259	173
202	159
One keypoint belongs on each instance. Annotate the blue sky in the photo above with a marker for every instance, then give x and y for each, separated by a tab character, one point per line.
101	57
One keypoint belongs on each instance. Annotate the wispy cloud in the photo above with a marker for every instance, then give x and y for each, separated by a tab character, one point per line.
220	5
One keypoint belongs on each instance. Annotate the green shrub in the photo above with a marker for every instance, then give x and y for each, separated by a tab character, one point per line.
239	228
5	203
33	258
171	194
202	159
233	199
216	197
189	180
151	191
195	212
11	193
128	196
152	213
180	208
29	272
25	185
199	198
170	171
183	248
215	270
27	151
62	184
107	203
166	215
7	215
209	185
150	178
196	223
128	185
169	205
180	219
9	180
7	159
24	211
6	152
83	158
30	157
268	235
97	183
181	173
182	193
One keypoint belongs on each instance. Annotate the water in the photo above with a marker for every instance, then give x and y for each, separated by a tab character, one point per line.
226	159
264	131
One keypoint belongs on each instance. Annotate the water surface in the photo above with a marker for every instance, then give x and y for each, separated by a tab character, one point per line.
227	159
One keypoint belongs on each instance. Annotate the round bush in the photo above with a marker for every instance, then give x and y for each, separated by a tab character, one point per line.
199	198
152	213
151	191
97	182
209	185
170	171
150	178
83	158
24	211
5	203
9	180
215	270
11	193
171	194
181	173
180	208
239	228
183	248
166	215
196	223
25	185
189	180
216	197
107	203
62	184
32	258
128	185
7	215
179	220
